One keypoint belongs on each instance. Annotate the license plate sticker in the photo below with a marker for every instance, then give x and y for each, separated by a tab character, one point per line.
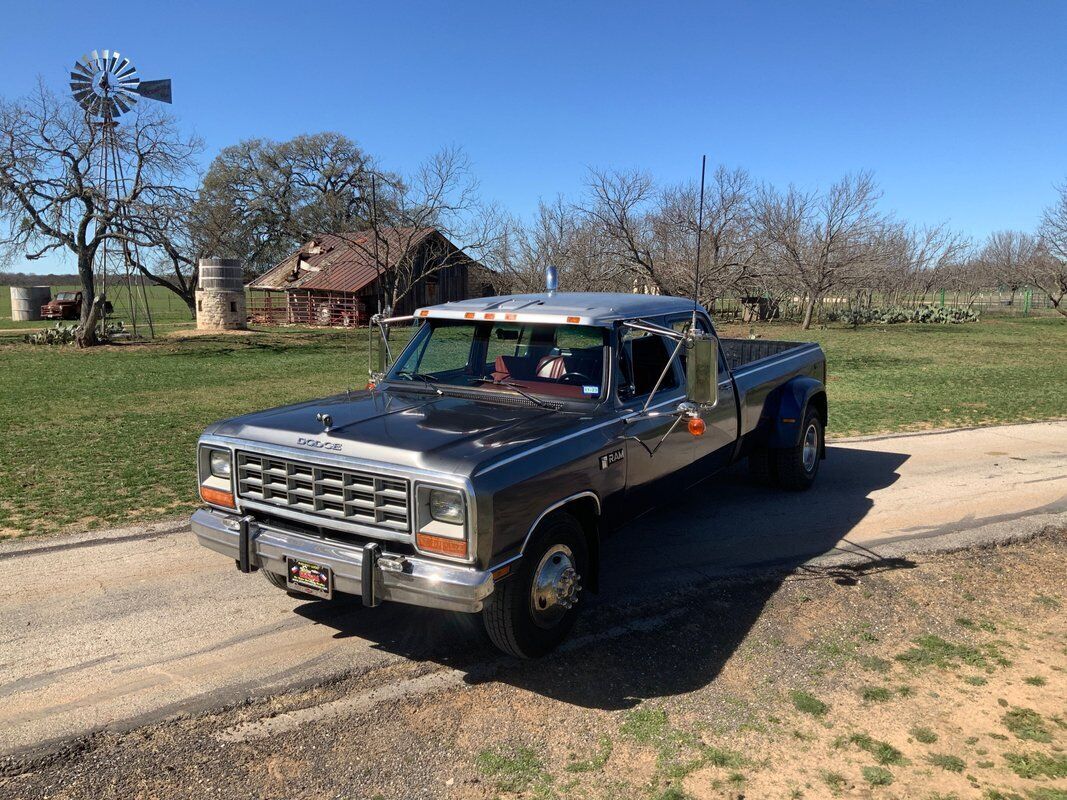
308	577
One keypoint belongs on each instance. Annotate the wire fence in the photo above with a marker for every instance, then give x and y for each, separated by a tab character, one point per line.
1022	302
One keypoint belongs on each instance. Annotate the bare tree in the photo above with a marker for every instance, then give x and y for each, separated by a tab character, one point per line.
820	242
1010	259
649	234
1049	273
442	195
53	193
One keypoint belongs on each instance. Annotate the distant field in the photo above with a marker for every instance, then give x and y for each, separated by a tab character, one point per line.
100	437
167	309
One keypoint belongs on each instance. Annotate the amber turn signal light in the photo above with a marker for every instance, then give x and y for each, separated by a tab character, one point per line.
697	426
217	497
456	548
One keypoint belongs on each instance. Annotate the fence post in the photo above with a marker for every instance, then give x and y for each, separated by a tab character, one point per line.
1027	300
942	298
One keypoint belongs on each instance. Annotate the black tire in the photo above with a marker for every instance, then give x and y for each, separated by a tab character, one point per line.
509	614
761	466
791	471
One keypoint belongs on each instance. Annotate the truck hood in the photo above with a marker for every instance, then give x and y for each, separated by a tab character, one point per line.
421	430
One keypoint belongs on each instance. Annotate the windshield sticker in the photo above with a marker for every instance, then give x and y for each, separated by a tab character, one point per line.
593	390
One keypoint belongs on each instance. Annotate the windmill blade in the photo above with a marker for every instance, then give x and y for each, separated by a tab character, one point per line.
83	70
115	55
155	90
122	73
121	102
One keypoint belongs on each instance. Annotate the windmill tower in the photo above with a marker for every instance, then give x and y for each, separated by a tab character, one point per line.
107	86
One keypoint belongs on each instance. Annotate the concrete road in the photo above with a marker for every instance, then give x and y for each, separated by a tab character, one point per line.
120	628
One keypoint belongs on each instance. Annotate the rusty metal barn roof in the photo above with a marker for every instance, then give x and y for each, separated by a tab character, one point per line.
342	262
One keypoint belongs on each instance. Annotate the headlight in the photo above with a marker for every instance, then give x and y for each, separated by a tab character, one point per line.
219	463
447	506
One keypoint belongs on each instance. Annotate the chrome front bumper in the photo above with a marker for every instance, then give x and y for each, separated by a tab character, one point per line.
413	580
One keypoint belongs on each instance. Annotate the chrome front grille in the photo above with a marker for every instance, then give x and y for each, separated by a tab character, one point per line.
341	494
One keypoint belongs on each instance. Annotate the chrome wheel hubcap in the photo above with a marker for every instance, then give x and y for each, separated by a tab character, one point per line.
556	584
811	447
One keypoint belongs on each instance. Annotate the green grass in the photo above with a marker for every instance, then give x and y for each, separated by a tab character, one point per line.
808	703
933	651
835	781
877	776
1046	793
1035	680
949	763
924	735
1027	724
510	770
168	311
884	753
645	725
107	436
1037	765
911	377
876	694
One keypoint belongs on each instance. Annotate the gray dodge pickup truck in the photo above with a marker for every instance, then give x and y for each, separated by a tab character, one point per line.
484	467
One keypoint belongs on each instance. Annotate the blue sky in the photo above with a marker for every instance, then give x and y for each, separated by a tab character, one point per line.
958	108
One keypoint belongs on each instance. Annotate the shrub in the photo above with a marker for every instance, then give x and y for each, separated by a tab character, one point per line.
924	314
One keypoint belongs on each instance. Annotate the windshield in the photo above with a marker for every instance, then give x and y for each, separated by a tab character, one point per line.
561	361
66	296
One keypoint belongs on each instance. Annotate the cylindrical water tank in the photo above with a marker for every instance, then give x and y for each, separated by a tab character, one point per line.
220	300
221	275
26	302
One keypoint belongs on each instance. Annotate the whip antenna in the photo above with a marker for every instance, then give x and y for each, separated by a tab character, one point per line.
700	235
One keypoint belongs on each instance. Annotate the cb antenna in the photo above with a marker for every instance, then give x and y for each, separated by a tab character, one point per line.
700	235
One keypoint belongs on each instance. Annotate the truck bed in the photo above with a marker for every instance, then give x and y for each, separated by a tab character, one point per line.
742	352
759	366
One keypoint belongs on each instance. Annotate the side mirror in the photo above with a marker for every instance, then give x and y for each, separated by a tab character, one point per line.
702	372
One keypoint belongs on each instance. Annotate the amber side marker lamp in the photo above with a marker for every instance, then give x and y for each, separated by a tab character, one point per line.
501	572
697	426
217	497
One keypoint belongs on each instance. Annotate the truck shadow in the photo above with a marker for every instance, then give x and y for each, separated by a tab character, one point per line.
681	588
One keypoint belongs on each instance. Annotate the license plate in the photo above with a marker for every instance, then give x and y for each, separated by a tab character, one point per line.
308	577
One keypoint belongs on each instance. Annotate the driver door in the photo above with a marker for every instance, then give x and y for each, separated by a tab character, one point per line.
651	478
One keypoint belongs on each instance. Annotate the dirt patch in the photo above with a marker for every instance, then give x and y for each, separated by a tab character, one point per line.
190	333
942	677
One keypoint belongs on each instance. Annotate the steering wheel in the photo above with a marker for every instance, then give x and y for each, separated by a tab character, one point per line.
575	377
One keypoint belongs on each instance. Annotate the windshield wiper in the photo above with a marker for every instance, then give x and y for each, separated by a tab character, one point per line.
523	392
429	380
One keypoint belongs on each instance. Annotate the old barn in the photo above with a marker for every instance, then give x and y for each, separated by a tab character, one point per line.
340	279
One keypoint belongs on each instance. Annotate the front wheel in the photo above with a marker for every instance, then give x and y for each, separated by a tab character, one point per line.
532	611
796	467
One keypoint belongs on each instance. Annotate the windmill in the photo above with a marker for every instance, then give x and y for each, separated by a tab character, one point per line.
107	86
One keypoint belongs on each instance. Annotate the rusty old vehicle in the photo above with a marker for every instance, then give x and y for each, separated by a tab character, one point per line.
484	468
65	305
